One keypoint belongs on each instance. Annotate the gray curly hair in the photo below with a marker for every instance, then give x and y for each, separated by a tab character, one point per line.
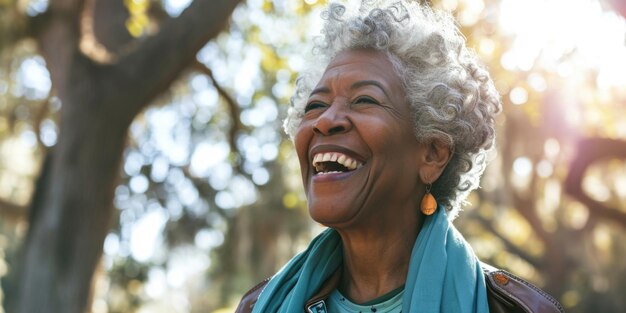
452	97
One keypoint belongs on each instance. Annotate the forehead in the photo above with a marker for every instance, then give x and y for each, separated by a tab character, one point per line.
362	64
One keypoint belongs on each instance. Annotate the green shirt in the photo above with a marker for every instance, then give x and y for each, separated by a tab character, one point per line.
388	303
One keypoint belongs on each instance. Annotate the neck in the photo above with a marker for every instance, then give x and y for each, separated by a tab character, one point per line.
376	259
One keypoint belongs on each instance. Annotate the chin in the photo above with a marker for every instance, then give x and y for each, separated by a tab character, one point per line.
330	215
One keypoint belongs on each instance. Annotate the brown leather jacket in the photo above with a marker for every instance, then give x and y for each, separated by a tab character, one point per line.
506	293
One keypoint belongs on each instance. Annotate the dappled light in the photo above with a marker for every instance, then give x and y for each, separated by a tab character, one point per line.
210	200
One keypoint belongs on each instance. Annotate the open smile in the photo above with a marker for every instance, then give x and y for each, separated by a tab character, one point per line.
326	163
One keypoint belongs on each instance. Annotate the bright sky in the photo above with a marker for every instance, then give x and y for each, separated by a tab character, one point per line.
546	31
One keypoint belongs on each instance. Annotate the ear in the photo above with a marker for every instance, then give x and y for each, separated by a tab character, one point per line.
433	160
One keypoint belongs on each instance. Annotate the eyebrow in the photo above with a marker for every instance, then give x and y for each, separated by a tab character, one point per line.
356	85
320	90
362	83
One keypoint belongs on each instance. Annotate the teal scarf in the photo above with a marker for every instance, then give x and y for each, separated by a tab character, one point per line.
444	274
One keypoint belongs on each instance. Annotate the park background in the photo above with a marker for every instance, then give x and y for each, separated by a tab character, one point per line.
143	166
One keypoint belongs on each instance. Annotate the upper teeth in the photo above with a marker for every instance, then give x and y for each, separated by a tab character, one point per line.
340	158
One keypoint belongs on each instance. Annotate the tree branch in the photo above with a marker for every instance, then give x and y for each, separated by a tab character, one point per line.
526	208
161	58
233	107
59	38
523	204
108	25
510	246
589	151
234	112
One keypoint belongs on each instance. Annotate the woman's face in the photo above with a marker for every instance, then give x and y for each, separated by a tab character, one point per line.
356	145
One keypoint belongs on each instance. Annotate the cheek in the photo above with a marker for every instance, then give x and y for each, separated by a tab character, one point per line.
301	143
385	133
396	142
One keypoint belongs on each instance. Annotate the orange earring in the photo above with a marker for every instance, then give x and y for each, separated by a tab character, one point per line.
429	204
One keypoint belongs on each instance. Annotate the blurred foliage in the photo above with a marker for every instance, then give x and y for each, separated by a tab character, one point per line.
210	200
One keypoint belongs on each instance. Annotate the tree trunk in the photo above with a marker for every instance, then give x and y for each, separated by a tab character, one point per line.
73	215
73	205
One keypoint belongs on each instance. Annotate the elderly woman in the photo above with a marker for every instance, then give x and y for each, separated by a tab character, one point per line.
391	132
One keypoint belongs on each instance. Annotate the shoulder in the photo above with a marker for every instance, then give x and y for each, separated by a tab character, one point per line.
249	298
509	293
506	293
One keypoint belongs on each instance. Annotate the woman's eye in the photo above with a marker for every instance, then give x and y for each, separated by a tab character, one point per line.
313	105
367	100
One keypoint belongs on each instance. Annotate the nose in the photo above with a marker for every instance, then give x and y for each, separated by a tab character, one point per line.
333	121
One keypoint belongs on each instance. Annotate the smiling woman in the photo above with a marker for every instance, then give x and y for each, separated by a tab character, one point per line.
399	119
358	111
